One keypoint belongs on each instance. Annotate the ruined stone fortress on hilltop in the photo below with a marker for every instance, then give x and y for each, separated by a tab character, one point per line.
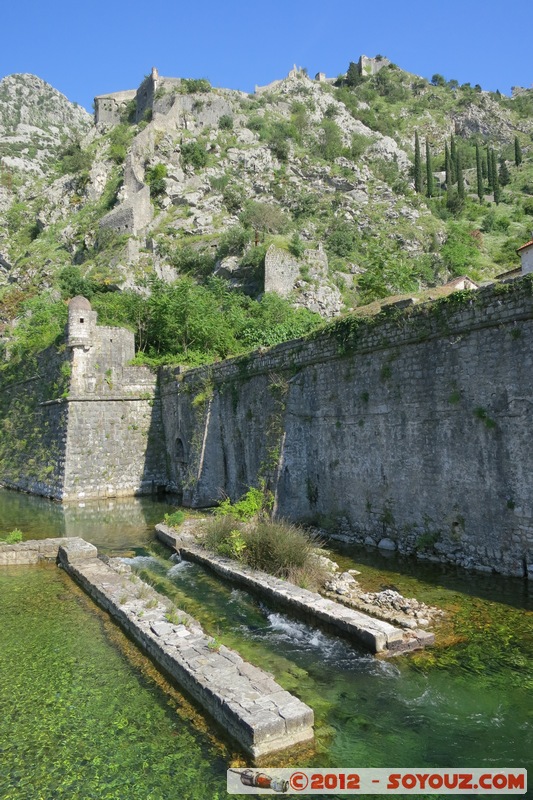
109	109
159	99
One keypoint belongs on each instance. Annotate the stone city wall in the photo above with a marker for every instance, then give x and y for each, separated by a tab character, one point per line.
33	430
413	430
86	424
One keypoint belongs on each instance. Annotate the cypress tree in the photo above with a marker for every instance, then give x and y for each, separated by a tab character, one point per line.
495	179
479	174
353	76
447	166
418	165
429	171
460	179
484	170
453	159
503	174
489	168
517	152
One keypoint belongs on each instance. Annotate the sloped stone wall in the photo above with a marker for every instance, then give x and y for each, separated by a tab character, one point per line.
33	424
415	428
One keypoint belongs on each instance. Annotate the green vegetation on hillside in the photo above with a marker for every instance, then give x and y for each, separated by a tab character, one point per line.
299	166
184	322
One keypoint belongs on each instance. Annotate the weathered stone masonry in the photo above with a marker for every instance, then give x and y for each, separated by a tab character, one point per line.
103	438
247	703
416	429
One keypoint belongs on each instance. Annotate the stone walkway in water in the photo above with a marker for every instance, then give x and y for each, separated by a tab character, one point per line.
379	636
246	701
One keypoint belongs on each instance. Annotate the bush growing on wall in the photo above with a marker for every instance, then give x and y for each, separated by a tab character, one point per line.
195	86
155	178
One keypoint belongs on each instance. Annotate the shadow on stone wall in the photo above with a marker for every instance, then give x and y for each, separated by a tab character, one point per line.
34	424
155	476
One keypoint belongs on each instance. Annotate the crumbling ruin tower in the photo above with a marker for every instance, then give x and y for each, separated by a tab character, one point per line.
371	66
111	109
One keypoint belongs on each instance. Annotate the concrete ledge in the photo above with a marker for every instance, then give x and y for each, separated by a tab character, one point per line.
377	635
31	552
250	706
74	551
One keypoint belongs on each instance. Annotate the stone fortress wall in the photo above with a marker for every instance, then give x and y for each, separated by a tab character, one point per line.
412	431
156	95
104	437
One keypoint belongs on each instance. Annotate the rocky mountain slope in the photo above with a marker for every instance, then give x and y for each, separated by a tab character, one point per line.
36	121
304	188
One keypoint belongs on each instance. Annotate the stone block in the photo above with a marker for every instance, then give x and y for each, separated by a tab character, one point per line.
76	551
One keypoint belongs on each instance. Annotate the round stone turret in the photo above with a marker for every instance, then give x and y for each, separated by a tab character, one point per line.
79	303
81	322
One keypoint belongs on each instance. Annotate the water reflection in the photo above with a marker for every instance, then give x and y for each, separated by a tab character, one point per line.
114	525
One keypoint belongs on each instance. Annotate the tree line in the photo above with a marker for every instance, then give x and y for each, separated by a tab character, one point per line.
492	171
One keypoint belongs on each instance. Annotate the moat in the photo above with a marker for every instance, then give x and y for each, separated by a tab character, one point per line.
83	713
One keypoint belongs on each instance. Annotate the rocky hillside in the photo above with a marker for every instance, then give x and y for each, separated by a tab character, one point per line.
36	122
304	188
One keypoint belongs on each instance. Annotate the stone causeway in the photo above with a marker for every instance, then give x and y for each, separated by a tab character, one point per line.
244	700
375	634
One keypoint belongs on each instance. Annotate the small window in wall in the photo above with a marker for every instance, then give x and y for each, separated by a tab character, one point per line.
81	319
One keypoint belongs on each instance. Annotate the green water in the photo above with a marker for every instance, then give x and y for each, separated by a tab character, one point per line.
82	715
468	704
77	719
114	525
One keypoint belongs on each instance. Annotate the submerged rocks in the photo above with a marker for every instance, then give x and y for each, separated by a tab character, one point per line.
386	544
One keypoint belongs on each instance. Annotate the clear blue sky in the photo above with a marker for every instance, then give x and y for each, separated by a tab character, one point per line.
92	47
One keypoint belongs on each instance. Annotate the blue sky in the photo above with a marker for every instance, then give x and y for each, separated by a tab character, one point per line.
92	47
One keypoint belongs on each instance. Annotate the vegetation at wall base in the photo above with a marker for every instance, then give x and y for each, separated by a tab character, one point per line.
243	531
14	537
174	519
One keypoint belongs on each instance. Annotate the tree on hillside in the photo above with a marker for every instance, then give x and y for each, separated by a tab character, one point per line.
490	180
264	217
438	80
447	165
495	177
429	171
517	152
484	170
460	179
418	165
503	173
453	159
353	76
479	173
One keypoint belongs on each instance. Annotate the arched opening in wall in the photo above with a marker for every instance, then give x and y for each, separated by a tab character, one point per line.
180	451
